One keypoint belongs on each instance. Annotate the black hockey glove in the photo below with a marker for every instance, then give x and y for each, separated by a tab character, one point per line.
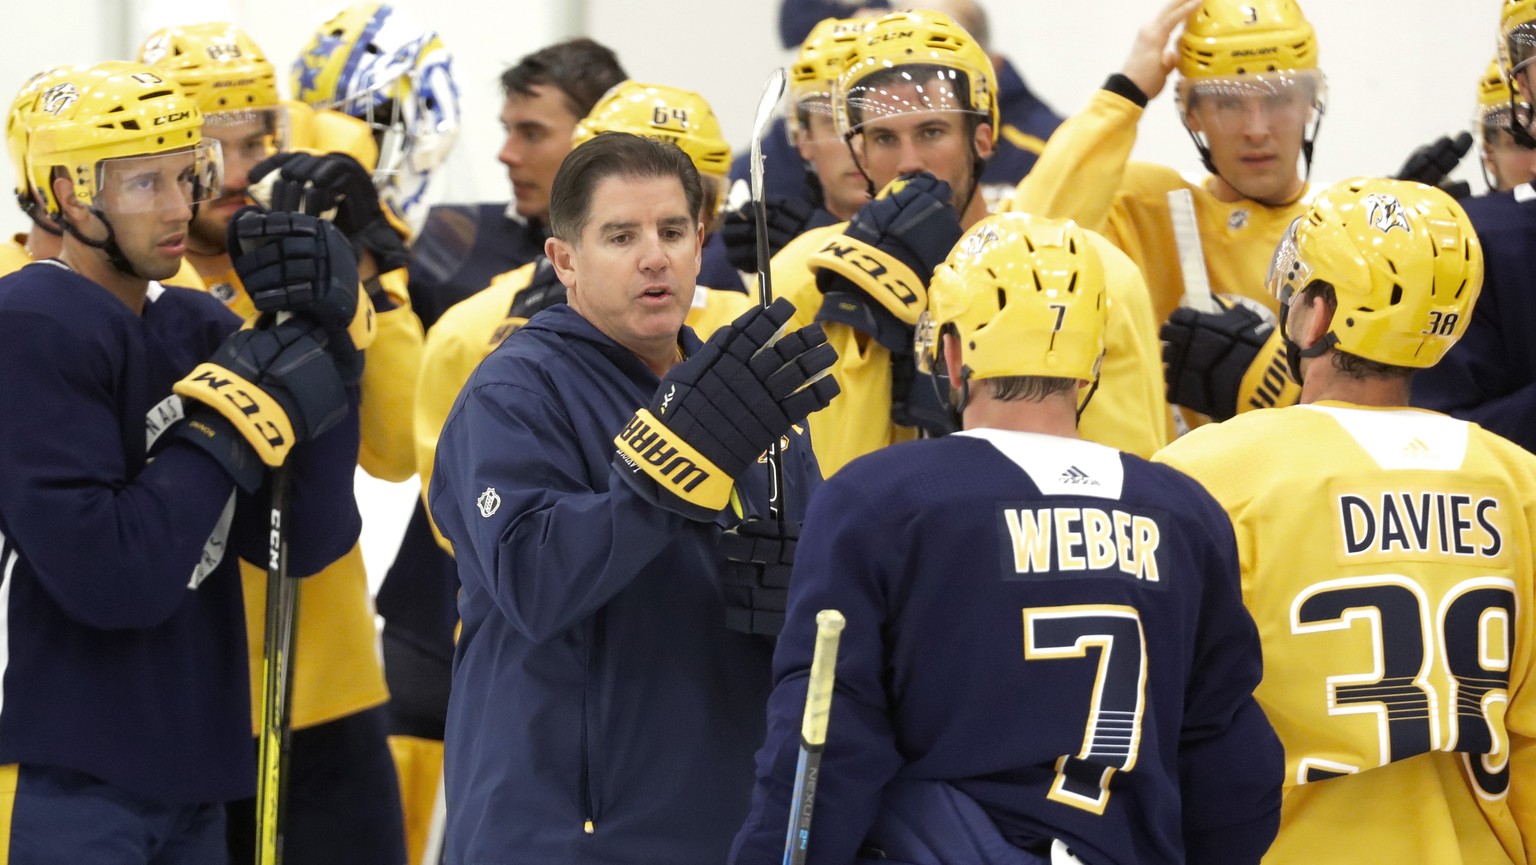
788	218
291	262
1431	163
262	392
1222	363
316	184
875	274
758	558
920	400
717	411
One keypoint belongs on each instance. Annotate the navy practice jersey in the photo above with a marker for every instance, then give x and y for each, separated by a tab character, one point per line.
122	631
1489	375
1050	626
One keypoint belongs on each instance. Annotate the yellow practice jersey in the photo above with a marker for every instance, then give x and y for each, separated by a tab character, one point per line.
1085	175
1387	559
337	670
14	255
473	327
1127	411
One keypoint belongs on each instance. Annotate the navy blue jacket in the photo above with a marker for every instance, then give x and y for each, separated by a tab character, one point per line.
119	661
1489	375
601	711
1097	688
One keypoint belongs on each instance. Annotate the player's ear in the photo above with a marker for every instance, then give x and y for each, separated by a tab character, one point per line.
559	253
952	361
983	140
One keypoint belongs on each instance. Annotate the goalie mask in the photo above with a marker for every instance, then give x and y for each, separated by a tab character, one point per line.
1237	57
669	114
128	139
372	62
1404	263
1024	295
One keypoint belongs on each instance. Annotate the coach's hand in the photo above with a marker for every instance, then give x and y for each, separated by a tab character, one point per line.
717	411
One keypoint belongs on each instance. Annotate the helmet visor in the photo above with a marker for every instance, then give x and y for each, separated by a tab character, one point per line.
163	181
1228	105
898	91
1520	47
1288	273
812	118
256	132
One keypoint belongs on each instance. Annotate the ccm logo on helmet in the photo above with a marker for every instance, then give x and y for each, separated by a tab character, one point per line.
172	117
890	37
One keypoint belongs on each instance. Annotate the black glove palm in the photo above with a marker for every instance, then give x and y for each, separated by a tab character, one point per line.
316	184
717	411
1207	358
788	218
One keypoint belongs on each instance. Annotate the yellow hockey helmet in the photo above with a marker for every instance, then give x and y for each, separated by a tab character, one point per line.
928	40
1493	88
817	67
1517	35
217	65
1228	38
1025	296
18	126
95	115
1404	262
664	113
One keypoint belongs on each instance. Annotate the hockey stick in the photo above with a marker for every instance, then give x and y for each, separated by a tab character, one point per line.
773	91
813	734
277	675
277	671
1186	236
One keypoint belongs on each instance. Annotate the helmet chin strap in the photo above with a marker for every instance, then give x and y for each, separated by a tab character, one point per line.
115	255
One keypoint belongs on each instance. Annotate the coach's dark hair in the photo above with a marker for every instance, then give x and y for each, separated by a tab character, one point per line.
581	69
615	154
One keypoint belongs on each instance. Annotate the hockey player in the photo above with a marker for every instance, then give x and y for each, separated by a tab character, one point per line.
1252	121
1386	551
835	188
463	246
1126	728
125	725
44	239
916	103
372	62
1506	162
343	802
601	710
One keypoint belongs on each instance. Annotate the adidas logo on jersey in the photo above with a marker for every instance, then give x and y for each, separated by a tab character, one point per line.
1075	475
1417	448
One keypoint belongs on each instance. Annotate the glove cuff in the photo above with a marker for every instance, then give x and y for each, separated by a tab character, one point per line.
208	431
647	447
1267	382
882	276
251	411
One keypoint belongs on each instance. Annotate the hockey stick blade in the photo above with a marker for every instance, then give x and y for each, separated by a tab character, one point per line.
813	734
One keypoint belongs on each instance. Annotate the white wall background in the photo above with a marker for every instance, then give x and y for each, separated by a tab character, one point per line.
1400	72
